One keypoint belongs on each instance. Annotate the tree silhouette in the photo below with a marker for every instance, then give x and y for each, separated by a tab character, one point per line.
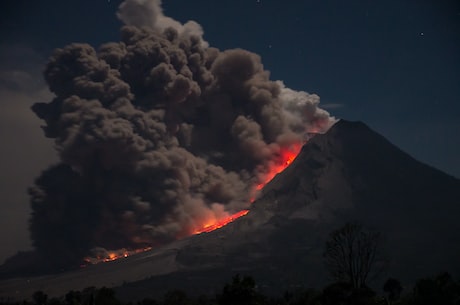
336	293
176	297
439	290
40	297
240	292
352	254
148	301
106	296
73	297
393	288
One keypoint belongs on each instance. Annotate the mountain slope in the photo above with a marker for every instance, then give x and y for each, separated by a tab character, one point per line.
350	173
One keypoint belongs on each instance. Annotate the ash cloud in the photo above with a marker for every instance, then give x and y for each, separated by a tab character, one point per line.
157	134
149	13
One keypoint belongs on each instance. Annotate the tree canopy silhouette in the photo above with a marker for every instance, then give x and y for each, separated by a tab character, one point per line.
353	254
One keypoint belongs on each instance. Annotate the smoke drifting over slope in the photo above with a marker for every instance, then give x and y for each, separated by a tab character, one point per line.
157	134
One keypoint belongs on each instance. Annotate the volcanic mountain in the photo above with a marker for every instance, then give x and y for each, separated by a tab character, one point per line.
350	173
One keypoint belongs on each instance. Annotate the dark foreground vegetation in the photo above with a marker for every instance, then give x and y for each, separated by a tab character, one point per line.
441	289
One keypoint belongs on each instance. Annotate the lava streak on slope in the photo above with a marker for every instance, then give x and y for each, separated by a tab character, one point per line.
286	156
220	223
102	256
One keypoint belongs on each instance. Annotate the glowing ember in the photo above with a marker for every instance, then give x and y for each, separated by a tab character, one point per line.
103	256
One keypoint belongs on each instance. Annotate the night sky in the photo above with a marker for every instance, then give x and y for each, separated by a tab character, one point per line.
393	64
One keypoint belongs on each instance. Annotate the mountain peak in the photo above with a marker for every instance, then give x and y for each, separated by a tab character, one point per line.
352	154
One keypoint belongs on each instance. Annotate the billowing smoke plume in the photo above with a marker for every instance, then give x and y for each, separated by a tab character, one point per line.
157	134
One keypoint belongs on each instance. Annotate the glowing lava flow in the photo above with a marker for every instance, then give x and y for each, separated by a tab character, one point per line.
108	256
285	158
220	223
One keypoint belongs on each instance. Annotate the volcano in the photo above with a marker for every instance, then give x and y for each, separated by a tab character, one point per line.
350	173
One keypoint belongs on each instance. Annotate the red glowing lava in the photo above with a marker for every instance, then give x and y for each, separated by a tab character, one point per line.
220	223
104	256
286	156
284	159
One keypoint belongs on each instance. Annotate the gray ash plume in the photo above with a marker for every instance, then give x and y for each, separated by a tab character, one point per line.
157	134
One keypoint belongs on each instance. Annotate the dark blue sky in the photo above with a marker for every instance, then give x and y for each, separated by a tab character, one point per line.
394	64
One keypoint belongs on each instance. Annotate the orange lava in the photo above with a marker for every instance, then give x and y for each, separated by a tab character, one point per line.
220	223
284	159
286	156
111	256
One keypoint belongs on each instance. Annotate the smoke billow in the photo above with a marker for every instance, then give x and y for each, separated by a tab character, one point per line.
157	134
